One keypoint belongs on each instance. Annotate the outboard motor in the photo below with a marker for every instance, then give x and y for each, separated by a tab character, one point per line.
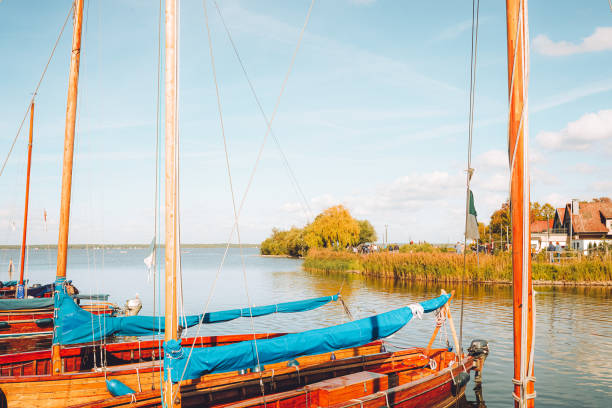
479	349
133	306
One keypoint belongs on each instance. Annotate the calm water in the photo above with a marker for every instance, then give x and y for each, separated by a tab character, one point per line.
574	325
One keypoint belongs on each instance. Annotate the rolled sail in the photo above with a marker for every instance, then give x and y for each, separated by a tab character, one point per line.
74	325
256	311
242	355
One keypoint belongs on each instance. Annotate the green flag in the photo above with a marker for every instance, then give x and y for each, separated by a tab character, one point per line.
471	229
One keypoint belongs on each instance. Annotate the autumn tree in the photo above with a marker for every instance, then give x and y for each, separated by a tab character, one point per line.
335	228
500	228
499	225
367	233
540	212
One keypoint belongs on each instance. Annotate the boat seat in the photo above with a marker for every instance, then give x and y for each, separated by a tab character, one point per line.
346	387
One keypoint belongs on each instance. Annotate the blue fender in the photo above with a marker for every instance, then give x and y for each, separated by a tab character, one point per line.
117	388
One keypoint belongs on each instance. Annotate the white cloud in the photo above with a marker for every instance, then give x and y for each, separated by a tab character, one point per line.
603	186
492	159
580	134
600	40
571	95
453	31
556	200
584	168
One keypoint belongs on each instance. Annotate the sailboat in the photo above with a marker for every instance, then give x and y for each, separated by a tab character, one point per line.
343	365
76	368
26	323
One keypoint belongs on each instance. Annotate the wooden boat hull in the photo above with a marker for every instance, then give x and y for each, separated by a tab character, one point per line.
401	379
87	357
85	388
26	380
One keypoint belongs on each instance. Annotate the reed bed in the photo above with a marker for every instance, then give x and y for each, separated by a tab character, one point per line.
448	267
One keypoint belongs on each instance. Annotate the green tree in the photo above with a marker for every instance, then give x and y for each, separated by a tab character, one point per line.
367	233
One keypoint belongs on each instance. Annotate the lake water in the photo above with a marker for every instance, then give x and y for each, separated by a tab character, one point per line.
574	325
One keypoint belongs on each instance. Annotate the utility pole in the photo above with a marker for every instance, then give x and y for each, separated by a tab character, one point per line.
548	228
386	234
507	238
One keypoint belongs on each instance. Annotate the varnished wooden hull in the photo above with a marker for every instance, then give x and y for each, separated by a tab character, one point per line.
26	380
83	388
401	379
87	357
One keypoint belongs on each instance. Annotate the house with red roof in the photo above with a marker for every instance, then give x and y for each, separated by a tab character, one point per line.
588	223
543	233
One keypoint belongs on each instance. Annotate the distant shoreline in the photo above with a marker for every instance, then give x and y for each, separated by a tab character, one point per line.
126	246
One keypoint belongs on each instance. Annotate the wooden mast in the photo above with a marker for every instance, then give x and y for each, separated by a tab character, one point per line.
519	202
171	183
71	108
20	289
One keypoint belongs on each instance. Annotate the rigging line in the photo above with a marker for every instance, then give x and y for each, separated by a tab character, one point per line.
179	259
156	278
526	361
36	89
292	176
229	173
470	171
224	257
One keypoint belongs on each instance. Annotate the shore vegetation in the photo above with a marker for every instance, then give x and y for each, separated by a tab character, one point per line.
438	266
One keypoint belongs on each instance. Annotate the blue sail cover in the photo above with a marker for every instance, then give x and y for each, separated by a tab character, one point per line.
242	355
74	325
256	311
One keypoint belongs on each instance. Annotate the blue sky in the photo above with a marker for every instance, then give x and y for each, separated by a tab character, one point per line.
374	115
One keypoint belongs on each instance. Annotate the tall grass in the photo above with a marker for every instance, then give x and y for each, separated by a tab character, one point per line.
448	267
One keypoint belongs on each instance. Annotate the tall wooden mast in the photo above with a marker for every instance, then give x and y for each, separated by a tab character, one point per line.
171	190
20	289
518	57
71	108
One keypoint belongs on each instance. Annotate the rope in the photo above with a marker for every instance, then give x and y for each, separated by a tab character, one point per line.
470	170
292	177
157	215
248	188
36	90
231	184
156	204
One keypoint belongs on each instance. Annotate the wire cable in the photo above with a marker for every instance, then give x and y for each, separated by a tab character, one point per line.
36	89
240	207
470	170
231	184
292	177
